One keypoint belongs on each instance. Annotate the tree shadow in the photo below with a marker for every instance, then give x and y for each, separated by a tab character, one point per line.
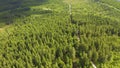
11	9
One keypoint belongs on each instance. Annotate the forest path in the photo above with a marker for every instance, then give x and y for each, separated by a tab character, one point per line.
110	6
75	2
1	29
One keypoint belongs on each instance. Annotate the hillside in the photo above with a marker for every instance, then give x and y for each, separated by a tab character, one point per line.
10	10
43	34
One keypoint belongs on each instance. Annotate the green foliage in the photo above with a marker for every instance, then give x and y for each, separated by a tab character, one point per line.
48	39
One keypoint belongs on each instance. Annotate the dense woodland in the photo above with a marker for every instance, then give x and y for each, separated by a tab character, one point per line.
45	35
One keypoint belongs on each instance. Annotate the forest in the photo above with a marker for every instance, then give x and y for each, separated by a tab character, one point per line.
59	34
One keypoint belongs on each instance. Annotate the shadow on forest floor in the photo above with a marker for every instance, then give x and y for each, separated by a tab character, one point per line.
11	9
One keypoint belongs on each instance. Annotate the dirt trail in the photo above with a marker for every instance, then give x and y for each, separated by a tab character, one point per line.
1	29
110	6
